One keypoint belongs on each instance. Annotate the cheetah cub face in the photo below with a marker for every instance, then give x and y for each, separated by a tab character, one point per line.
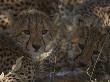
5	20
33	29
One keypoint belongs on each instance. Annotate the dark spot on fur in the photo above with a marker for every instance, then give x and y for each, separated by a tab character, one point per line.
17	80
12	1
21	73
29	80
17	5
10	78
29	77
2	1
11	62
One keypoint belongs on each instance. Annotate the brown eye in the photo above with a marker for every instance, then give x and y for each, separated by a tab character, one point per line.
26	31
81	46
44	31
4	27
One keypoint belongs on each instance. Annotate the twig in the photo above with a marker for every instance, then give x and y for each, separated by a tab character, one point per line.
90	75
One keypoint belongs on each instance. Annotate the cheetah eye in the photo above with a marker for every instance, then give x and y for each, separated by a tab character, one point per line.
81	46
26	32
4	27
44	31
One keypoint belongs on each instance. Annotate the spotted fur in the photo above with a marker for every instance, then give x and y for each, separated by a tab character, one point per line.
88	22
10	51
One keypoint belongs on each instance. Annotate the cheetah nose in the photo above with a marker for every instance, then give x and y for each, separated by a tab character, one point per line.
36	47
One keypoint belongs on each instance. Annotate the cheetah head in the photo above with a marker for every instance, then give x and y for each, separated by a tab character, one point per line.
33	31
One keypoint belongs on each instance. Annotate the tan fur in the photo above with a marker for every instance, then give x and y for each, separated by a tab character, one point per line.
89	22
10	51
34	26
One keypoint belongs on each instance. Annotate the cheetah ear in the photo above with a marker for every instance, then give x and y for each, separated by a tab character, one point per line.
2	76
18	64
